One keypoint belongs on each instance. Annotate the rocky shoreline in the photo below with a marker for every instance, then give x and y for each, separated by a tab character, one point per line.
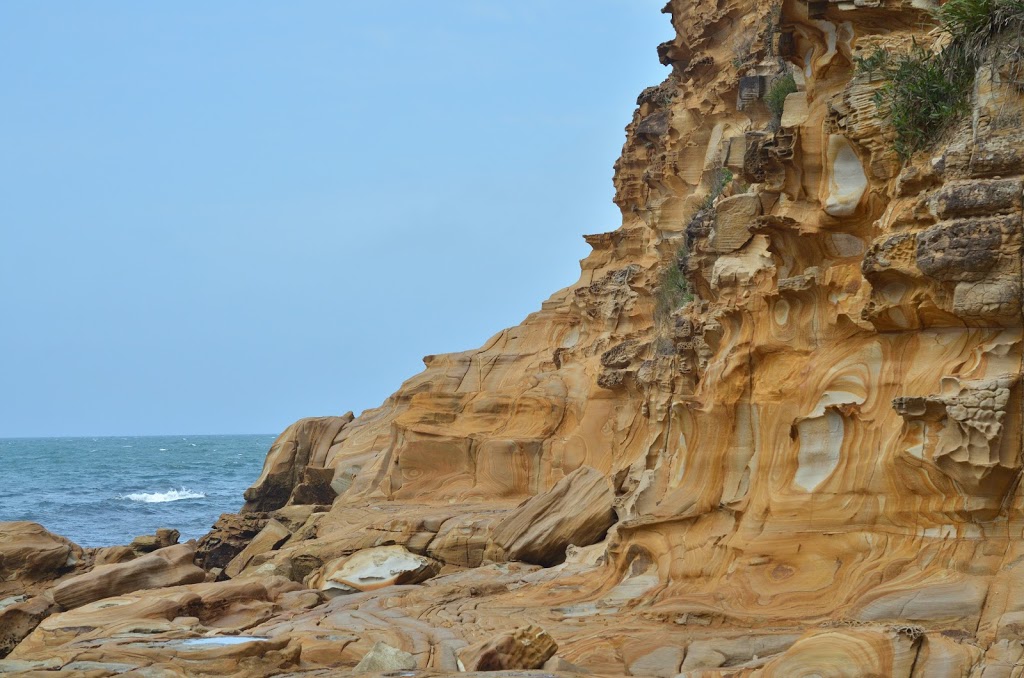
774	430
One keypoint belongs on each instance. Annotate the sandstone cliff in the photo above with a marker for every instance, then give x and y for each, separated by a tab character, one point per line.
774	429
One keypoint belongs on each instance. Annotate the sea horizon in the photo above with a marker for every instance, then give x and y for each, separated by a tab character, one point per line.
130	435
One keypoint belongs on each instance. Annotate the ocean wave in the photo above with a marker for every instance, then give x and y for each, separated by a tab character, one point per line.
161	497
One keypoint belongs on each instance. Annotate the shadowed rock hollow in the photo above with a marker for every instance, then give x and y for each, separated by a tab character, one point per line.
810	468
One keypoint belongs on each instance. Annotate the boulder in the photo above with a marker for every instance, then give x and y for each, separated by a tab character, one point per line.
382	657
663	662
269	538
376	568
526	648
463	540
577	510
315	487
20	619
148	543
230	535
171	566
304	443
113	554
30	553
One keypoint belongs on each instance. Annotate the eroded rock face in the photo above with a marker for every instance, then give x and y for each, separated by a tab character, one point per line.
812	468
269	538
229	537
20	618
576	511
525	648
290	470
29	554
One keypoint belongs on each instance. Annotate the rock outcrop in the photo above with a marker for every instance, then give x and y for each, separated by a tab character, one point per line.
773	430
30	556
577	511
525	648
19	617
375	568
170	566
293	470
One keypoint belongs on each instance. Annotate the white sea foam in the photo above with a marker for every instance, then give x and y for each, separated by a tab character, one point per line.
161	497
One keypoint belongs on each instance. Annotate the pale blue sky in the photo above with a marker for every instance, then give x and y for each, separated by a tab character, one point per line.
219	217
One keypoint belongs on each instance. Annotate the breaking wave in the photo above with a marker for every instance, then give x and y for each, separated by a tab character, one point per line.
161	497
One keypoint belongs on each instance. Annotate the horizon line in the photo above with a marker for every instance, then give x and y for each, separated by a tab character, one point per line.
126	435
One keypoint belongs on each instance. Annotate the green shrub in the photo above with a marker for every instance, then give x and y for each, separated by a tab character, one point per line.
876	62
929	91
964	18
775	98
926	93
673	288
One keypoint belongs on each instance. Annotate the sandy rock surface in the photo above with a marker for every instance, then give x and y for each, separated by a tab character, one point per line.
165	567
809	468
29	554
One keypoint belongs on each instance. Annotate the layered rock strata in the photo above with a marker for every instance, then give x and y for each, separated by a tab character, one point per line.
810	468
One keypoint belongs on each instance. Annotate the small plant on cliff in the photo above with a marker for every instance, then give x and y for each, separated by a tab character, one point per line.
775	98
875	63
928	91
673	289
964	18
719	180
773	22
975	25
721	177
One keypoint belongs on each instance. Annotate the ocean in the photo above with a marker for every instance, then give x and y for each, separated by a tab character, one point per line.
107	491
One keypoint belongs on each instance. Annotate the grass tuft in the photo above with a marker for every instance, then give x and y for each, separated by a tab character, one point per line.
775	98
721	177
673	288
928	91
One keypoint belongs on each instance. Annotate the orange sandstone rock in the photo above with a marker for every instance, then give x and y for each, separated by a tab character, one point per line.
525	648
29	554
165	567
805	460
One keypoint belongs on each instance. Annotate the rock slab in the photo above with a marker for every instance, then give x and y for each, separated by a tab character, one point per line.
171	566
577	511
29	553
526	648
382	657
375	568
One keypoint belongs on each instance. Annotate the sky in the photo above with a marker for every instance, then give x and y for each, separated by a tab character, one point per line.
221	217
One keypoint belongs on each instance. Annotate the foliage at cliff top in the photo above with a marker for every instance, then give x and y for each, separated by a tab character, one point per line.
928	91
